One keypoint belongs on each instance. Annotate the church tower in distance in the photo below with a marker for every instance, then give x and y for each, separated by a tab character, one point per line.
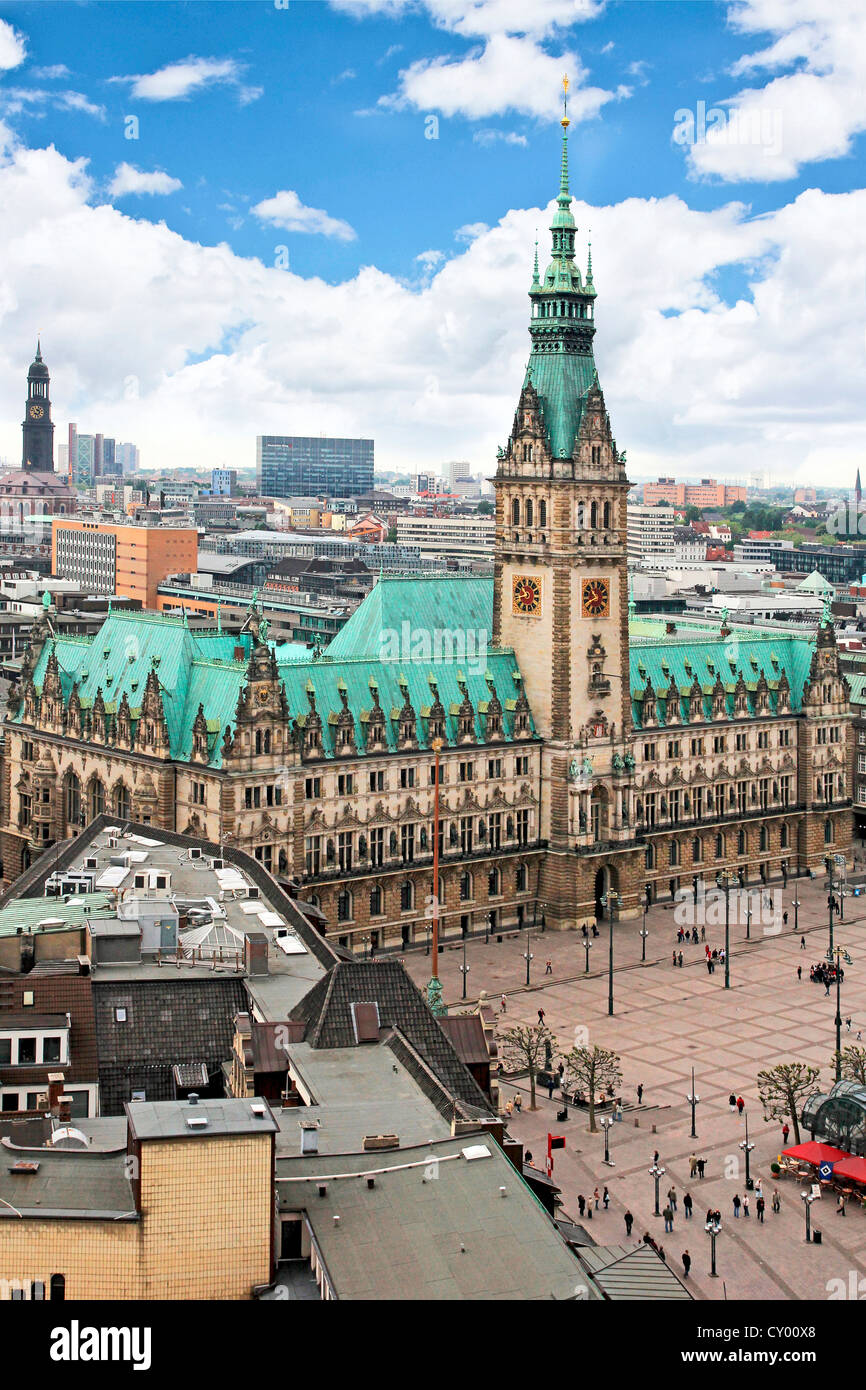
561	575
38	429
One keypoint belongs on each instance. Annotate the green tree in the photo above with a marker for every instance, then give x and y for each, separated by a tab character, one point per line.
590	1070
523	1047
484	508
853	1063
784	1088
392	533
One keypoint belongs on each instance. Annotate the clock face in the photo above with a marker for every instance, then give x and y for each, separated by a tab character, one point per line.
526	596
595	598
36	412
263	695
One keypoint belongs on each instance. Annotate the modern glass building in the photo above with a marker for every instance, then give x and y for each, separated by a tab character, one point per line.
295	466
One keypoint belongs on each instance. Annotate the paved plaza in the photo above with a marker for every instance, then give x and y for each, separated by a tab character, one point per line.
667	1020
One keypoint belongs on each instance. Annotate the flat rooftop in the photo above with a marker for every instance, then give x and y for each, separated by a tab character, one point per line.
170	1119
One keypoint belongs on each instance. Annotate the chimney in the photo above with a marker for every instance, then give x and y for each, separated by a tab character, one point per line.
64	1109
256	953
55	1089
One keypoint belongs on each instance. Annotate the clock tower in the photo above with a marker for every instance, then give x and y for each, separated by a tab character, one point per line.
38	429
561	576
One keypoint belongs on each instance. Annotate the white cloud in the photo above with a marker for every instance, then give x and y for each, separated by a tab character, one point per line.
177	81
491	137
14	100
470	231
286	210
220	347
429	259
13	46
484	18
51	73
127	179
801	116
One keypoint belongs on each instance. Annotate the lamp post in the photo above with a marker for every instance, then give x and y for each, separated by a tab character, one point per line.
837	955
830	905
434	986
606	1124
795	903
464	969
808	1198
747	1149
657	1173
748	919
610	900
527	954
587	946
712	1228
643	936
843	893
727	886
694	1101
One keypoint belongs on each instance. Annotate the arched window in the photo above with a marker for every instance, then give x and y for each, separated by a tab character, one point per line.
515	512
697	848
741	842
97	798
607	516
593	515
376	902
58	1286
520	878
258	740
673	853
122	805
542	513
494	883
581	515
73	799
407	895
720	846
649	857
465	886
527	508
784	836
828	832
344	906
764	837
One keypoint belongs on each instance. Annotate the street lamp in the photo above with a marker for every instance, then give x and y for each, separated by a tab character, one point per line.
748	918
464	969
808	1198
747	1149
643	935
830	904
610	900
795	903
843	893
838	954
527	955
587	946
728	879
606	1124
712	1228
657	1173
694	1101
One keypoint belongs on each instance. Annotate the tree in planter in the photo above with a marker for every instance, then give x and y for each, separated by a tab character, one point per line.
524	1047
592	1069
853	1063
784	1088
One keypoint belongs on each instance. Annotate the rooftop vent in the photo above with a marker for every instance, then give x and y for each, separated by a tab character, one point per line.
23	1167
381	1141
196	1121
322	1189
258	1109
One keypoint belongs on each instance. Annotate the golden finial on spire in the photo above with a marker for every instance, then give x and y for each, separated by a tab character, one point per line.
565	122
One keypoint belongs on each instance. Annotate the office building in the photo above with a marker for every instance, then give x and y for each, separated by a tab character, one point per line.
126	560
292	465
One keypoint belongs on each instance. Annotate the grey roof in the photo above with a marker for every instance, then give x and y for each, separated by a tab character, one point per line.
420	1043
631	1272
402	1238
170	1119
168	1021
68	1183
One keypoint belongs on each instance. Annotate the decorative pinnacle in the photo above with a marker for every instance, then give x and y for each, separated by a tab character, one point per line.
589	262
535	279
565	122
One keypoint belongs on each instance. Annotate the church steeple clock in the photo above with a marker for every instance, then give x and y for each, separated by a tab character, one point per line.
38	429
561	587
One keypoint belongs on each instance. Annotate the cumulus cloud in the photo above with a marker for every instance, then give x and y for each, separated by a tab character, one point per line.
15	100
13	46
178	81
188	349
491	137
801	116
286	210
127	179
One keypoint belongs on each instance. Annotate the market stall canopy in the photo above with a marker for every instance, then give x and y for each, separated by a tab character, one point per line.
853	1168
816	1153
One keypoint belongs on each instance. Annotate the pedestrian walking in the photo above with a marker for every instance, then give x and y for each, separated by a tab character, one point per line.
518	1102
509	1107
693	1165
680	960
675	959
687	1264
859	1035
687	1206
709	966
550	1085
703	933
848	1024
672	1196
629	1222
595	1196
799	972
640	1094
741	1104
785	918
745	1204
826	987
802	943
661	1253
737	1205
605	1199
840	1206
669	1218
548	969
785	1132
656	1157
777	1201
541	1016
759	1189
581	1203
503	1003
732	1102
702	1163
759	1208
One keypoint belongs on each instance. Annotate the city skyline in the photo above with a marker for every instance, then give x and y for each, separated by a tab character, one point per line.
324	267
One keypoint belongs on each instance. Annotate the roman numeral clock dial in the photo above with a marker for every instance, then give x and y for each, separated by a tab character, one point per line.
526	596
595	598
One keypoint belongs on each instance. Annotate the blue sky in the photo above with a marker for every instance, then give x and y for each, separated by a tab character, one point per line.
304	128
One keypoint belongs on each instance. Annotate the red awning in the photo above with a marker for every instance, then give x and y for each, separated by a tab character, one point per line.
853	1168
816	1153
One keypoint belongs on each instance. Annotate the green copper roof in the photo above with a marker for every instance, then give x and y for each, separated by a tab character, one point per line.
420	613
562	381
